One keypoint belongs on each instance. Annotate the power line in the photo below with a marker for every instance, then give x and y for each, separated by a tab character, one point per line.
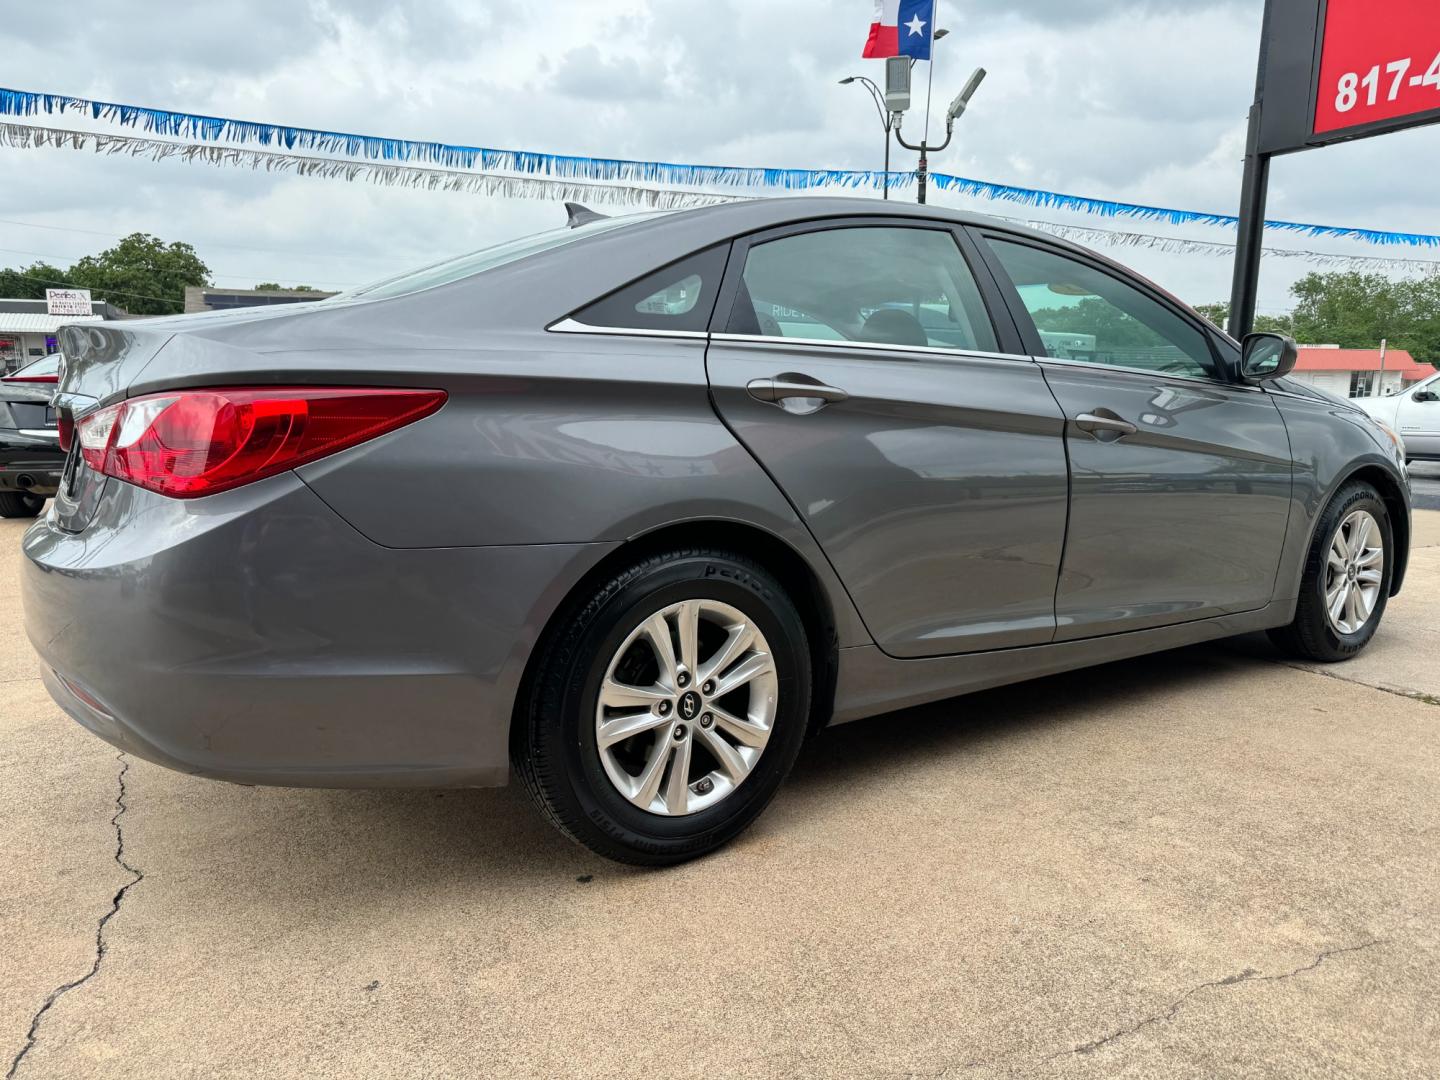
107	292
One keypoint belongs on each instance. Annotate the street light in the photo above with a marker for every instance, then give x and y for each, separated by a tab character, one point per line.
888	120
956	110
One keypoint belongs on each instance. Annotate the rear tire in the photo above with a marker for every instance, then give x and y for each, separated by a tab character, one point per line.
20	504
673	790
1355	515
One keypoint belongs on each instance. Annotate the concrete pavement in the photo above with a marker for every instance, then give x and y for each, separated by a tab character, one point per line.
1202	864
1425	484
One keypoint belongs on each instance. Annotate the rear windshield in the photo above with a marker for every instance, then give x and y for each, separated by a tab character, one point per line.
443	273
48	366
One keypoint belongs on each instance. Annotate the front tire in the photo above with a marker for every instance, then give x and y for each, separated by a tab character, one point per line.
20	504
666	707
1347	579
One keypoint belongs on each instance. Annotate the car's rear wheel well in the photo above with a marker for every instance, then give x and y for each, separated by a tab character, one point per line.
788	565
1394	500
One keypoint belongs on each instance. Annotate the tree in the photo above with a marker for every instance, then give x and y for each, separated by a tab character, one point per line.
31	282
144	273
1219	312
1093	315
271	286
1358	311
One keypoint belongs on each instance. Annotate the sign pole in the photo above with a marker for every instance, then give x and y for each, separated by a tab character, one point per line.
1254	189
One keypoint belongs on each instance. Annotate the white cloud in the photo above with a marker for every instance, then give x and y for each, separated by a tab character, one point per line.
1137	101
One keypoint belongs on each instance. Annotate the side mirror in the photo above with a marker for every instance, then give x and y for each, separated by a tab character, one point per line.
1426	395
1266	357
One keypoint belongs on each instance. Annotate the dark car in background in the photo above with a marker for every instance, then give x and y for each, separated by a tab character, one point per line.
30	456
679	489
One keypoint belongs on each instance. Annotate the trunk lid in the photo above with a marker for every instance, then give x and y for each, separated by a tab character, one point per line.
26	406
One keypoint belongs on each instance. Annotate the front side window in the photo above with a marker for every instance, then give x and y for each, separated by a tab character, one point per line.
883	285
1087	315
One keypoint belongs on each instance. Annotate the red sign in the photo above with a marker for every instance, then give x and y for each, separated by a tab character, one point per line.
1380	60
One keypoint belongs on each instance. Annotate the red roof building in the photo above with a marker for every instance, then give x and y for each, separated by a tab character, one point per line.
1359	372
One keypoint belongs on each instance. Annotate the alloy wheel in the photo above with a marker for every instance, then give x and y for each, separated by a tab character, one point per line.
1354	572
686	707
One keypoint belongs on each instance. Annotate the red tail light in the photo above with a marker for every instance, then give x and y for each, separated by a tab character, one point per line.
33	378
189	443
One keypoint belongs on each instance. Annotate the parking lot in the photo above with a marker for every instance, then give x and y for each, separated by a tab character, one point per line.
1206	863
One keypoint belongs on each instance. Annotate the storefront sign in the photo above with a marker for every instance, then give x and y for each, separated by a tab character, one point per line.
1379	65
1332	70
68	302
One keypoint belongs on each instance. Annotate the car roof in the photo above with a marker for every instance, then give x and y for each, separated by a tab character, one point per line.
748	215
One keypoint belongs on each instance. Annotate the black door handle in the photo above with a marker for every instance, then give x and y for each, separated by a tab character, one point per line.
784	387
1103	424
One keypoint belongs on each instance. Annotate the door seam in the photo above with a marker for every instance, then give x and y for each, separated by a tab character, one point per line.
1069	501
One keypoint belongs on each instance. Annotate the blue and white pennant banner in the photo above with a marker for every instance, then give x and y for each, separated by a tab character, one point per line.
654	182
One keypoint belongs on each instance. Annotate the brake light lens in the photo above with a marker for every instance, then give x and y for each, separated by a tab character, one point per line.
33	378
189	443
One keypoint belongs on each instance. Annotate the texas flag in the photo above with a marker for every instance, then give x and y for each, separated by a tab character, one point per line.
901	28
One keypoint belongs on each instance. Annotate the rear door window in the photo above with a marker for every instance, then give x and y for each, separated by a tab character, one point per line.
876	284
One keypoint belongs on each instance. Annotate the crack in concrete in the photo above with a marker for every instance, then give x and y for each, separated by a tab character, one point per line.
136	876
1409	695
1007	1063
1248	975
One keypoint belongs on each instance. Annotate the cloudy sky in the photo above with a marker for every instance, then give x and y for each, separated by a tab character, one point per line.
1143	101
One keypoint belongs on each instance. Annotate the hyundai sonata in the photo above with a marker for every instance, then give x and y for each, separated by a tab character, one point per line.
634	506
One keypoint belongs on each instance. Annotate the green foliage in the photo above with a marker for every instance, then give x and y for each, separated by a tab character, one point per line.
1099	317
271	286
143	274
31	282
1358	311
1219	312
1355	311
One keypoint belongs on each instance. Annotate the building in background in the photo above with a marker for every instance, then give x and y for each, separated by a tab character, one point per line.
1358	372
27	332
206	299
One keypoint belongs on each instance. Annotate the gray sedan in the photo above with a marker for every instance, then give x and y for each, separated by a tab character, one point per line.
633	507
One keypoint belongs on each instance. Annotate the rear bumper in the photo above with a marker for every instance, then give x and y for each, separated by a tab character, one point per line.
254	636
40	476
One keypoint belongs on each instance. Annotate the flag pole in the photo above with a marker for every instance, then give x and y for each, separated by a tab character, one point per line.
929	85
930	78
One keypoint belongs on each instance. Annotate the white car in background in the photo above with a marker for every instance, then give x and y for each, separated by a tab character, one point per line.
1415	414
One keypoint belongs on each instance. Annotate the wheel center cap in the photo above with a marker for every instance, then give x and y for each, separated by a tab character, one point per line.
1351	573
689	705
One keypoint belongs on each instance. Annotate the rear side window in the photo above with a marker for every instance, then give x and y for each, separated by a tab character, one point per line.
1087	315
878	284
680	296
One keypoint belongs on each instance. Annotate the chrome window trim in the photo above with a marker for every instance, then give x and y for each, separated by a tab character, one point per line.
572	326
870	346
1170	376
